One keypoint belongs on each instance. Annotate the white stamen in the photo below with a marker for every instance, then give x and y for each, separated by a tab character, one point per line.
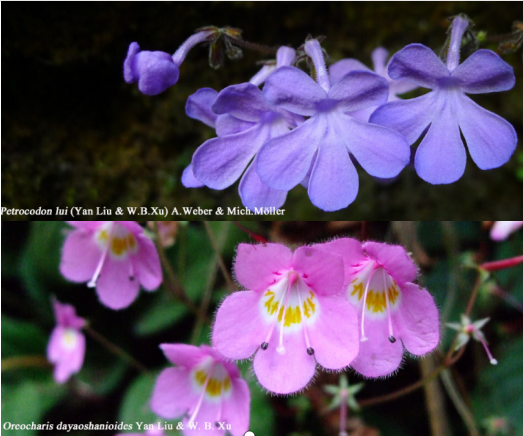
281	347
363	337
202	395
489	354
305	332
392	339
98	270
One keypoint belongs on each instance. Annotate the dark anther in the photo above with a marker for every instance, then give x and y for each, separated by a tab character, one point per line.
310	351
264	345
392	339
131	278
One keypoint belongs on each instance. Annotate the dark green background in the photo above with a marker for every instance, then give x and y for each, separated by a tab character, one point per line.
75	134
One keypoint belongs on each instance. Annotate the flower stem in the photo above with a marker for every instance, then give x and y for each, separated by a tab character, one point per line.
501	264
115	349
253	235
19	362
219	258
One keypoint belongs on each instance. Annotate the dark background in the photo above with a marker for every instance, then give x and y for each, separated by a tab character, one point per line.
75	134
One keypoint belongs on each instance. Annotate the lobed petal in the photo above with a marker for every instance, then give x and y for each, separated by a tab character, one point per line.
484	71
349	249
285	373
283	161
80	254
417	320
441	156
207	415
155	71
377	356
335	336
379	59
236	409
256	194
294	90
322	271
173	394
128	73
147	265
183	355
418	64
114	287
491	140
189	180
394	258
359	90
255	265
381	151
199	104
334	181
219	162
244	101
408	117
228	125
339	69
239	328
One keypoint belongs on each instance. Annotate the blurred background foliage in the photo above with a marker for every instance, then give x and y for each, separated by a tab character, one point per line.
74	134
109	389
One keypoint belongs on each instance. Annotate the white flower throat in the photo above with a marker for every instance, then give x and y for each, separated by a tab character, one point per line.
118	242
291	305
375	292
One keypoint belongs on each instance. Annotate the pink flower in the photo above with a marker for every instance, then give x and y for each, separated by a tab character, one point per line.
379	279
204	386
502	229
153	430
113	256
66	347
290	316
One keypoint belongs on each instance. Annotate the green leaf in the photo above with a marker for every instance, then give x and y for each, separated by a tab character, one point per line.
163	313
21	338
135	405
498	392
262	412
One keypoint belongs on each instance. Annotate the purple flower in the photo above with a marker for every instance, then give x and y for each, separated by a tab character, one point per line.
116	257
389	305
323	142
206	388
441	156
289	316
379	57
155	71
66	349
246	122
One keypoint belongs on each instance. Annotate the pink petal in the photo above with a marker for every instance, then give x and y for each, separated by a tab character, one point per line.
147	264
173	394
417	320
54	348
255	265
114	287
207	415
322	271
377	356
239	329
394	259
285	373
80	256
334	337
184	355
502	229
349	249
236	409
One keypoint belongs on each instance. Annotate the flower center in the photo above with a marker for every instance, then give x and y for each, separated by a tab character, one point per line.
69	339
292	306
114	240
375	292
211	380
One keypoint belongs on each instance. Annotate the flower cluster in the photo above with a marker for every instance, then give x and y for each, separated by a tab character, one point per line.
334	305
310	130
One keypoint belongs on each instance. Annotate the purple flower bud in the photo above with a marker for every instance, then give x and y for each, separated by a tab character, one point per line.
155	71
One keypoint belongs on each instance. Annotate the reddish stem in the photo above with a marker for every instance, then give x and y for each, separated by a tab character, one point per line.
253	235
501	264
